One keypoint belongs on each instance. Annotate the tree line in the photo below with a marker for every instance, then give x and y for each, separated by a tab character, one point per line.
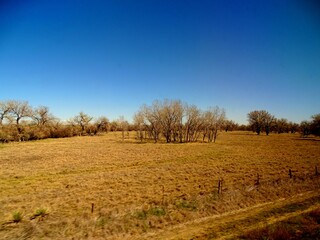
167	120
21	122
263	121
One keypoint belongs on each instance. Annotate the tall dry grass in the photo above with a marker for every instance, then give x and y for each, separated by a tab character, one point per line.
139	188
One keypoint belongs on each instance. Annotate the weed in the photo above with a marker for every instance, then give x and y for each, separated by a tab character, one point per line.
41	212
157	211
187	205
17	217
142	215
101	222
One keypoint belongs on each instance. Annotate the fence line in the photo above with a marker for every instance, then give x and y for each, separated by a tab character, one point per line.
257	182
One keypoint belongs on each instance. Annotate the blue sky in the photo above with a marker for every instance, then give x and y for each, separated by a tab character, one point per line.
110	57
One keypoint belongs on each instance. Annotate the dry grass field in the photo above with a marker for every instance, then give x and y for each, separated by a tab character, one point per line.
104	188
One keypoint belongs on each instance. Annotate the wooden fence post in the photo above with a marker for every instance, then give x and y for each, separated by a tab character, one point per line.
290	173
162	195
92	207
257	182
220	185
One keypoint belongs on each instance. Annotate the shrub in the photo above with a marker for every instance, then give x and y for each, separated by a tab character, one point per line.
140	214
186	205
157	211
41	212
17	217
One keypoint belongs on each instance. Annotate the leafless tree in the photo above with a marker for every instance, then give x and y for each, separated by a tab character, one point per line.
152	116
213	121
219	119
268	121
315	124
101	125
255	121
42	116
281	125
305	128
20	110
82	120
170	117
293	127
193	123
260	121
139	124
230	125
123	125
4	111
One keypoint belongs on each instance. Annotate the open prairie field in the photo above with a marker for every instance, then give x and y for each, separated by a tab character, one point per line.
104	188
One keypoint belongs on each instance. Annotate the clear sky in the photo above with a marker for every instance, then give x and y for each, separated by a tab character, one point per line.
109	57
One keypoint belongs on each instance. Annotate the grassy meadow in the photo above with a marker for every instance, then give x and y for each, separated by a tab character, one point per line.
102	187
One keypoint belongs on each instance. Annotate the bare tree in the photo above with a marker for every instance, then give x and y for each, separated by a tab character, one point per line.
170	117
101	125
305	128
123	125
179	113
230	125
268	121
193	123
281	125
260	121
255	121
153	120
213	121
138	121
293	127
19	110
82	120
219	119
42	116
4	110
315	124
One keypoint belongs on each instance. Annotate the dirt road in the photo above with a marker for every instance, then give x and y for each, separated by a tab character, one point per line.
231	225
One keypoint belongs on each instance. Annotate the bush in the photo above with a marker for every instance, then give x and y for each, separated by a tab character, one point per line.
41	212
17	217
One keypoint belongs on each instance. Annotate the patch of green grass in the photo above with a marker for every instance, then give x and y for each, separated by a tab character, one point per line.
17	216
101	222
140	214
187	205
157	211
41	212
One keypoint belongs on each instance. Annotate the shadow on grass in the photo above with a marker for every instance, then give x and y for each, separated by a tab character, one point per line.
304	226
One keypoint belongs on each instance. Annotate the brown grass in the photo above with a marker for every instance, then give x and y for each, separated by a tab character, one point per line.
304	226
139	189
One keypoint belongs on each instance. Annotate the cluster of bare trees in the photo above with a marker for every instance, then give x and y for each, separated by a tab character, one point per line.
177	122
263	121
20	122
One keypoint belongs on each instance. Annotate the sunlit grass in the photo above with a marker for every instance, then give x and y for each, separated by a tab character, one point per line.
137	187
